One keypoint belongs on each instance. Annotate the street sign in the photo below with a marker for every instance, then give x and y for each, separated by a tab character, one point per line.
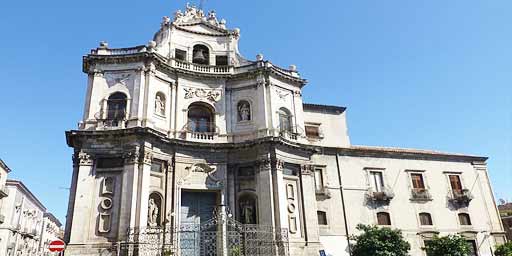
56	246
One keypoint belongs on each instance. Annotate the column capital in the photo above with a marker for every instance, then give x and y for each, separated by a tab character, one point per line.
306	169
82	159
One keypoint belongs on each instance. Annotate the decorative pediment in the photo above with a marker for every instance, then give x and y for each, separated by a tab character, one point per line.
194	19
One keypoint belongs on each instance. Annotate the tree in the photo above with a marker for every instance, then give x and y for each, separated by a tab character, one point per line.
504	249
452	245
377	241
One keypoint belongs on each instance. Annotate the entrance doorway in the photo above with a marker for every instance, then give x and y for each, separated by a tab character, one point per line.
196	208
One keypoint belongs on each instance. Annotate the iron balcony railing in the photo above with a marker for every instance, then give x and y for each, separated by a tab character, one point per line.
385	194
461	197
420	194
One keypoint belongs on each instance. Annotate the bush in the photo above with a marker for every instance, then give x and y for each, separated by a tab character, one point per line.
452	245
504	249
377	241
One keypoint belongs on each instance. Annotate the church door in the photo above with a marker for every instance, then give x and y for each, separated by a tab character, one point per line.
196	208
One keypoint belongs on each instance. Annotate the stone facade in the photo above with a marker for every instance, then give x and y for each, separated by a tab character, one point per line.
186	117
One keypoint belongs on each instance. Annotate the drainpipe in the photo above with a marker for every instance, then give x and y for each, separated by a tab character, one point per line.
343	204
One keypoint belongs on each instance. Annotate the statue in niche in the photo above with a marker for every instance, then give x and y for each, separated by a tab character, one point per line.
247	211
152	213
159	105
244	111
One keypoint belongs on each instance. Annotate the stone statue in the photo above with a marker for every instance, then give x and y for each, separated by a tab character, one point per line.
247	213
152	213
244	111
159	105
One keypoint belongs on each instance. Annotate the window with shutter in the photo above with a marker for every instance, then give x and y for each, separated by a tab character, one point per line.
417	181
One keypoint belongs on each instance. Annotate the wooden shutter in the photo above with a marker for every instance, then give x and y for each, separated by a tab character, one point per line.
417	181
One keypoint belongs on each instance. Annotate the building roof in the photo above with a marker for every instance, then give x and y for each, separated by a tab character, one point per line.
323	108
52	217
3	165
404	152
25	190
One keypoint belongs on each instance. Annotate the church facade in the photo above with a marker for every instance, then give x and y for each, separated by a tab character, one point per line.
187	148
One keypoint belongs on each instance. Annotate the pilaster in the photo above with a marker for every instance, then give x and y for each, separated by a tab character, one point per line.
265	193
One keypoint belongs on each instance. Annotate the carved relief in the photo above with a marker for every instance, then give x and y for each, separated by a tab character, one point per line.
282	94
117	78
104	223
244	111
292	207
148	157
210	95
107	186
107	191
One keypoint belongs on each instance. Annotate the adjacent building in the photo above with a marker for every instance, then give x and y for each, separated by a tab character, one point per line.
51	231
20	233
186	147
506	217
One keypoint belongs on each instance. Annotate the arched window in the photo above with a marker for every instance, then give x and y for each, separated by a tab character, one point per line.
160	103
244	110
425	219
285	120
464	219
116	109
200	118
154	210
322	217
116	106
201	55
247	206
383	218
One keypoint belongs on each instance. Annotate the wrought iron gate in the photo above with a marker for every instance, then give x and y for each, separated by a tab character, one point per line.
219	236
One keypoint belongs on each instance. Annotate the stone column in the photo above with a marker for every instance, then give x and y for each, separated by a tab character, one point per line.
81	195
143	188
129	188
310	219
265	193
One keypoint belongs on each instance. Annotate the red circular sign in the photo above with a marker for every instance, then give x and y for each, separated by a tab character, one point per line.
56	246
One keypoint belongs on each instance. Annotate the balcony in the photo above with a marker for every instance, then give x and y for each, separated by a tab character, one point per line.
107	124
383	196
460	197
207	69
203	132
4	192
420	195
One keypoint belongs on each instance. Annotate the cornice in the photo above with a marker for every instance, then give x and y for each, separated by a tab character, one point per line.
162	64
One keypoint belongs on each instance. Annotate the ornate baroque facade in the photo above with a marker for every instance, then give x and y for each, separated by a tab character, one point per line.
184	128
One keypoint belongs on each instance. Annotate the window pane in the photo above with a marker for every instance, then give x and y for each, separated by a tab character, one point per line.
455	182
319	180
425	219
383	218
312	131
322	218
464	219
376	181
417	181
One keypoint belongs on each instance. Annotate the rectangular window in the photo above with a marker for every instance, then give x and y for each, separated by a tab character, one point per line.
417	181
322	217
157	166
455	183
472	248
319	180
376	181
221	60
110	162
312	131
180	55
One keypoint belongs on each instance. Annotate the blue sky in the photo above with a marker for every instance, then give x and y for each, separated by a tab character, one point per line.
420	74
